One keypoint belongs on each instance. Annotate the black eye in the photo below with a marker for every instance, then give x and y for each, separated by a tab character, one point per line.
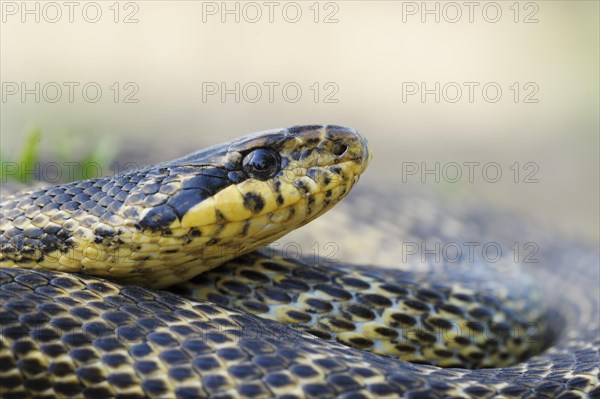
261	164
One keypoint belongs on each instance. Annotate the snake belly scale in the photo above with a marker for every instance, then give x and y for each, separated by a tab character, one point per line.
81	316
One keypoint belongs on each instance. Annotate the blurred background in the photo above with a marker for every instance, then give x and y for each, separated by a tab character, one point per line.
492	99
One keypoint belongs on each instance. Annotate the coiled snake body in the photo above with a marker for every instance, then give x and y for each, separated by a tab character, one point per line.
467	328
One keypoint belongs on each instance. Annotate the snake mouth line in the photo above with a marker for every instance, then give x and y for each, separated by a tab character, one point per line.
329	198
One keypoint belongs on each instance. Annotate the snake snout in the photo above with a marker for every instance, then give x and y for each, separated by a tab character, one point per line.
349	144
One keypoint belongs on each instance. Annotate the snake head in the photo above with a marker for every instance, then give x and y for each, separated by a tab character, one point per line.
268	184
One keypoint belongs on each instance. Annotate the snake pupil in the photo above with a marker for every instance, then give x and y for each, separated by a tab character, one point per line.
261	164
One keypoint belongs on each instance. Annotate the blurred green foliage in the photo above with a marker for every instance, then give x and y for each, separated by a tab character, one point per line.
31	165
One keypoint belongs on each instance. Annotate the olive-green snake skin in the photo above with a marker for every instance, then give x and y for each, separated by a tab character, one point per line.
243	322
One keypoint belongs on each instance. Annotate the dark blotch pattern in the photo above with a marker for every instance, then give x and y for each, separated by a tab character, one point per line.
151	199
393	314
254	202
219	347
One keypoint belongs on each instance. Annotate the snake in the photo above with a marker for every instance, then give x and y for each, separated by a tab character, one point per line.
160	283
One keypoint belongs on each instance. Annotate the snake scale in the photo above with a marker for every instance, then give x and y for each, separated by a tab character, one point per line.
85	314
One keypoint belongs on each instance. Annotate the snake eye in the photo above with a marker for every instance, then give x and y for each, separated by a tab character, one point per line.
261	164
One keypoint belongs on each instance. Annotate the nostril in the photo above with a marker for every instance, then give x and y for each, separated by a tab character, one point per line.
339	149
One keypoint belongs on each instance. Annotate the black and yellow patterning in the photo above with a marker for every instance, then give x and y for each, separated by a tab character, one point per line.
473	329
427	318
167	223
